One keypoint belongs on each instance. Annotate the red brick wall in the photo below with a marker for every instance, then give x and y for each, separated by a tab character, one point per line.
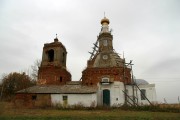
91	76
53	75
25	100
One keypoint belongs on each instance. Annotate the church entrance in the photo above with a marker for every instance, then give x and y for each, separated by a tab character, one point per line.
106	97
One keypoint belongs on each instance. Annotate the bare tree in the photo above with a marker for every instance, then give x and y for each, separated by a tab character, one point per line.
35	68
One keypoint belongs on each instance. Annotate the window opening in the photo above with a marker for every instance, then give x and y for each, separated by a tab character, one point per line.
127	92
63	59
60	79
105	42
143	94
51	55
34	97
65	100
106	80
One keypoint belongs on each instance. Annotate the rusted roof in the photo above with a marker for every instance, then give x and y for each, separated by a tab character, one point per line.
60	89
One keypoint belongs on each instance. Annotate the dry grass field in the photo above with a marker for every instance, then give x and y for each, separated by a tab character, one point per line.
7	111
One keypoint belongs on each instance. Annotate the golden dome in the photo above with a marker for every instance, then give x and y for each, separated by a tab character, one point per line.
105	20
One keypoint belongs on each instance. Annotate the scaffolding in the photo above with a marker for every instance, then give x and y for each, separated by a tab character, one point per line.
95	49
135	87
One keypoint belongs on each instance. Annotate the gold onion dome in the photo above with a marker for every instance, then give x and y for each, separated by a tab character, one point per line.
105	20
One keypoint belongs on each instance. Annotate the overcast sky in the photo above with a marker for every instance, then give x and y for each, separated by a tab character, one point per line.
148	31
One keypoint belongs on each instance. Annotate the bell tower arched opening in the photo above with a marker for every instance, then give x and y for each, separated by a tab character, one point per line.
50	55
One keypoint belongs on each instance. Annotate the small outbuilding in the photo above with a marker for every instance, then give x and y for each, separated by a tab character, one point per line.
59	95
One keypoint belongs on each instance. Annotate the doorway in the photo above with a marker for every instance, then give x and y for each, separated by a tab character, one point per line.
106	97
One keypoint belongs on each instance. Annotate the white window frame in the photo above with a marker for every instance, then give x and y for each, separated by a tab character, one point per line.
105	80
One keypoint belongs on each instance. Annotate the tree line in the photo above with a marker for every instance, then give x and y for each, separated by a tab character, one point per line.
14	81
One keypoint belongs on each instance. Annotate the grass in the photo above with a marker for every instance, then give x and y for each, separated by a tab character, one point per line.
7	111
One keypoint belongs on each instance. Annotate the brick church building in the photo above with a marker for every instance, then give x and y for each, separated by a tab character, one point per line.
106	81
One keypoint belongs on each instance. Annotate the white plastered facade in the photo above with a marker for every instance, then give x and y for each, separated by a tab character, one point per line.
117	96
86	100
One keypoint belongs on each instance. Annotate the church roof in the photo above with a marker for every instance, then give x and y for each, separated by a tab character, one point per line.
141	82
56	43
60	89
114	60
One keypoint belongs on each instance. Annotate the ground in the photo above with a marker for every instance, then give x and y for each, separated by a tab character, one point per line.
7	112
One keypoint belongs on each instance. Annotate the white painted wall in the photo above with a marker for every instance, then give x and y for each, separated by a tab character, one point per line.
117	97
74	99
116	94
130	93
150	94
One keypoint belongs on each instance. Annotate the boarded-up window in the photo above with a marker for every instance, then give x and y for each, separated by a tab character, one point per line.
143	94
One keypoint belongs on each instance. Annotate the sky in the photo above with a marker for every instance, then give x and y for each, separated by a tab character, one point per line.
147	31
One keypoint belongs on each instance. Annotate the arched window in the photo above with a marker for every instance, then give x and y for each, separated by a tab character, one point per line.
105	80
51	55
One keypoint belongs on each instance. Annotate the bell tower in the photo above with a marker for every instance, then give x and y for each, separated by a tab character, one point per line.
53	66
105	65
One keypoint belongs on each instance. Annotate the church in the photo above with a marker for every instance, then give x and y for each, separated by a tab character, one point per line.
106	81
